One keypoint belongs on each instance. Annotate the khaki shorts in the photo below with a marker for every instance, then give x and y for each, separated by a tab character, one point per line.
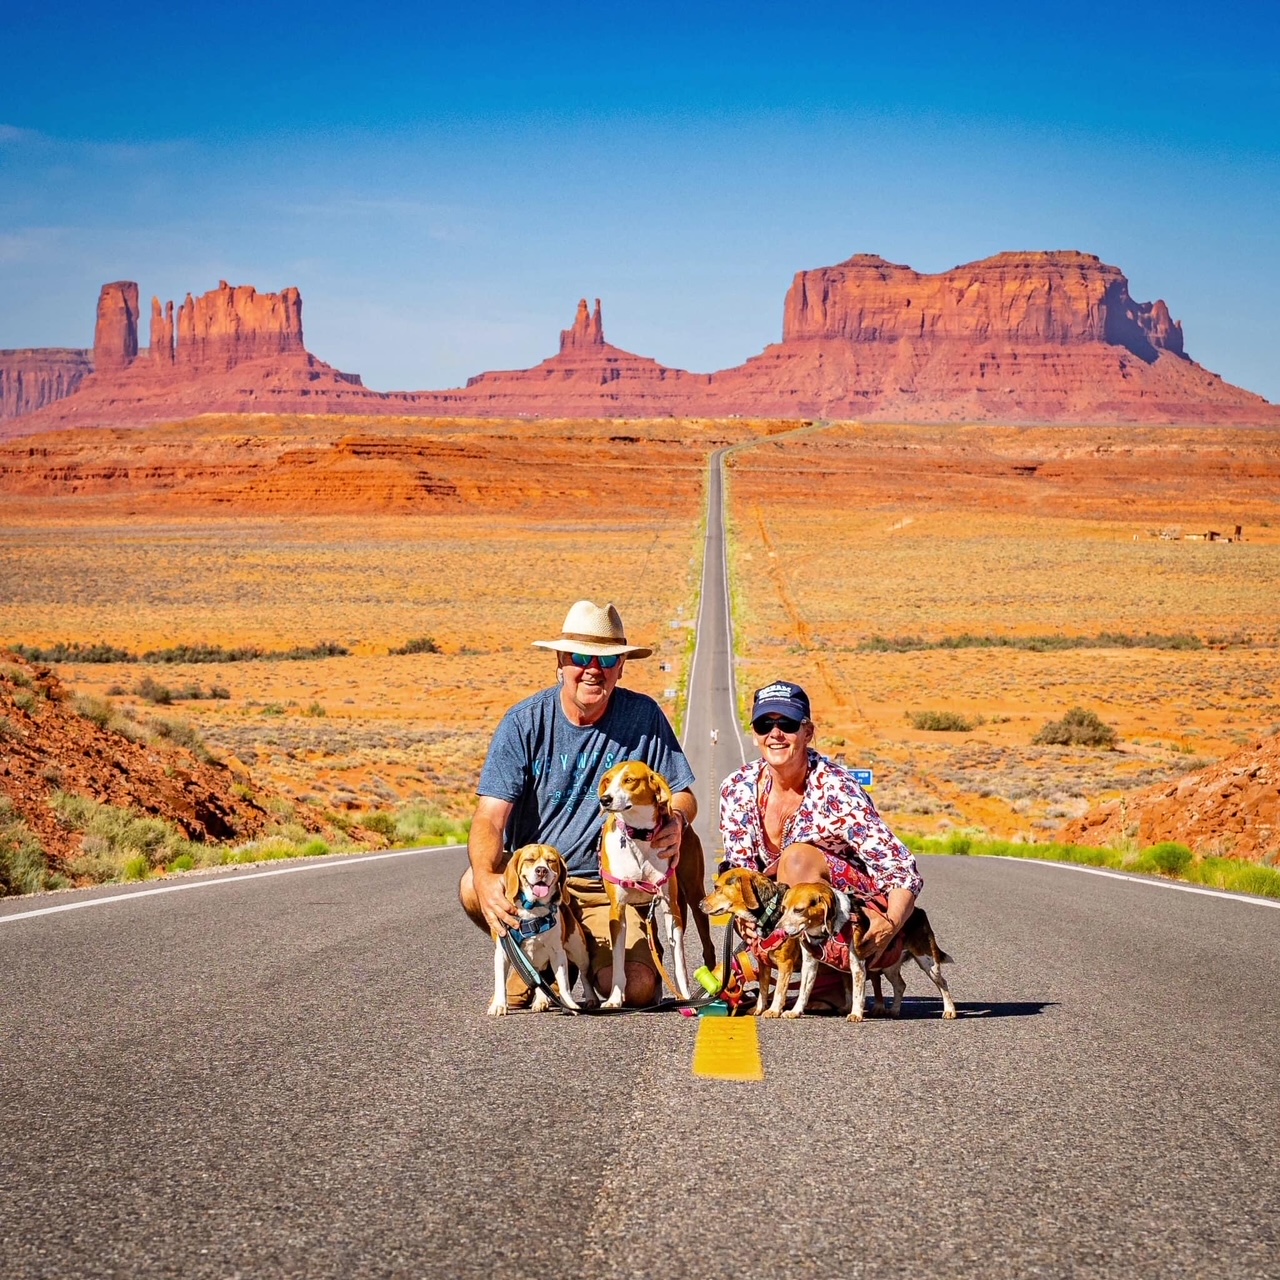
592	901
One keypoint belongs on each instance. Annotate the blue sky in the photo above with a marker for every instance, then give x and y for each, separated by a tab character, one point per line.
444	182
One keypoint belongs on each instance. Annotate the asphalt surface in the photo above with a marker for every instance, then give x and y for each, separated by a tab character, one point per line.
292	1074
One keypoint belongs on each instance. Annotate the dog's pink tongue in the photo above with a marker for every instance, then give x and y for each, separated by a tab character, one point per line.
541	890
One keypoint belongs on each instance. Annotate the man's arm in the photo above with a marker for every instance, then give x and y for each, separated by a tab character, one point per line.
484	849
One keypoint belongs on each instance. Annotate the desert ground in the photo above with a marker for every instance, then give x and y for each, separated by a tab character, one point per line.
283	532
854	532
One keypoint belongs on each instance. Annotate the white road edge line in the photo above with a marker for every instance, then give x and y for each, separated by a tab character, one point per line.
355	860
1154	884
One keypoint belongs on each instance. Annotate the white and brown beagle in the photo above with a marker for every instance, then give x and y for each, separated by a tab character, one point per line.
814	913
549	933
636	801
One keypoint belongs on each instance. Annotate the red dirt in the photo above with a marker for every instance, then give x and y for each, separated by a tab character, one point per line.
1231	809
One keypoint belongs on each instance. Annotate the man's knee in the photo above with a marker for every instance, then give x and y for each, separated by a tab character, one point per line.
470	901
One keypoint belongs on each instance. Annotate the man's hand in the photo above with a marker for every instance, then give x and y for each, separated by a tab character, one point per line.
499	914
748	929
665	840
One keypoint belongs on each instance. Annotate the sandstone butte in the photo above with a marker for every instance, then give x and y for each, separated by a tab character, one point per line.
1018	337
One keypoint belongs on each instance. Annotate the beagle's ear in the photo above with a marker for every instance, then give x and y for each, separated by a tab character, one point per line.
749	897
562	878
511	876
661	791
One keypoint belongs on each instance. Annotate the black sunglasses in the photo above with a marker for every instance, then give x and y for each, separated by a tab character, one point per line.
764	725
607	661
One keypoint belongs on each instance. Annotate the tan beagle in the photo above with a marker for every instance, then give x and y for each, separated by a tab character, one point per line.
752	895
550	934
636	801
812	913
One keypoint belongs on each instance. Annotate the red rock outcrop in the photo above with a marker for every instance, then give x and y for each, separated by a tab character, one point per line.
589	377
1017	338
115	336
229	326
1231	809
36	377
161	350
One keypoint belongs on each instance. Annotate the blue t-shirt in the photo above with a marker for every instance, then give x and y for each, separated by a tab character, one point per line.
550	769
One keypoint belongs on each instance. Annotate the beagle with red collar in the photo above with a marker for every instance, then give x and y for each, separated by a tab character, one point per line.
751	896
636	801
549	933
814	913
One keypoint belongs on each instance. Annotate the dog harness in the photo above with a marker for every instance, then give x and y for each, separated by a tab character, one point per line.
640	886
535	925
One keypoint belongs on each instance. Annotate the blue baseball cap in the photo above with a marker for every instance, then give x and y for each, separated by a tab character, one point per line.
781	698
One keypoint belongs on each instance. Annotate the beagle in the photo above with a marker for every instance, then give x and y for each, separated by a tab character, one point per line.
753	895
813	913
549	933
636	800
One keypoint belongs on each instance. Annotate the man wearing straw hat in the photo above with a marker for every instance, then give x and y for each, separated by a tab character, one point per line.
540	779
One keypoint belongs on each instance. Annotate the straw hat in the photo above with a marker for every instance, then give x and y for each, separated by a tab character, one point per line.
590	629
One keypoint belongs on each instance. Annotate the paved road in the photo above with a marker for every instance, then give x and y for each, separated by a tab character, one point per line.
292	1075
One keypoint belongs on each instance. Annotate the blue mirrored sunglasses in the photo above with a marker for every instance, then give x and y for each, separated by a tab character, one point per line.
607	661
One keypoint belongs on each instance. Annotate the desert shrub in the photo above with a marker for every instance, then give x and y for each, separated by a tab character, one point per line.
217	692
1078	728
8	729
115	840
316	711
1169	858
74	652
383	823
419	644
941	721
16	675
183	733
272	709
1040	644
183	862
417	824
188	653
26	701
98	710
154	692
24	868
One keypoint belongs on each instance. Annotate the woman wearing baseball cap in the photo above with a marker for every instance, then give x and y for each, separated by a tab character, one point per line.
799	816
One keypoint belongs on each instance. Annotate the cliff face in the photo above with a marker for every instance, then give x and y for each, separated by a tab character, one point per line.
227	326
36	377
1019	299
1019	337
115	336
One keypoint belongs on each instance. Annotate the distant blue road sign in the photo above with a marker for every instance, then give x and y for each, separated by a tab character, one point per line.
864	777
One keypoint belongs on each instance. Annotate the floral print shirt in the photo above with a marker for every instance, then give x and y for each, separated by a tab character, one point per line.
835	815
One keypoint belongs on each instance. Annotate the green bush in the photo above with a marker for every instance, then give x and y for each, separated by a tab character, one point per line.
98	710
154	692
1078	728
24	868
383	823
74	652
941	721
416	824
1169	857
113	840
26	701
419	644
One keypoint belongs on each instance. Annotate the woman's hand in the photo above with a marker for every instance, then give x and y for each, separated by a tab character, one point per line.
748	929
879	934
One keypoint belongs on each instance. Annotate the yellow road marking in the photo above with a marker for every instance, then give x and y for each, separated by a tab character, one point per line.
728	1049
